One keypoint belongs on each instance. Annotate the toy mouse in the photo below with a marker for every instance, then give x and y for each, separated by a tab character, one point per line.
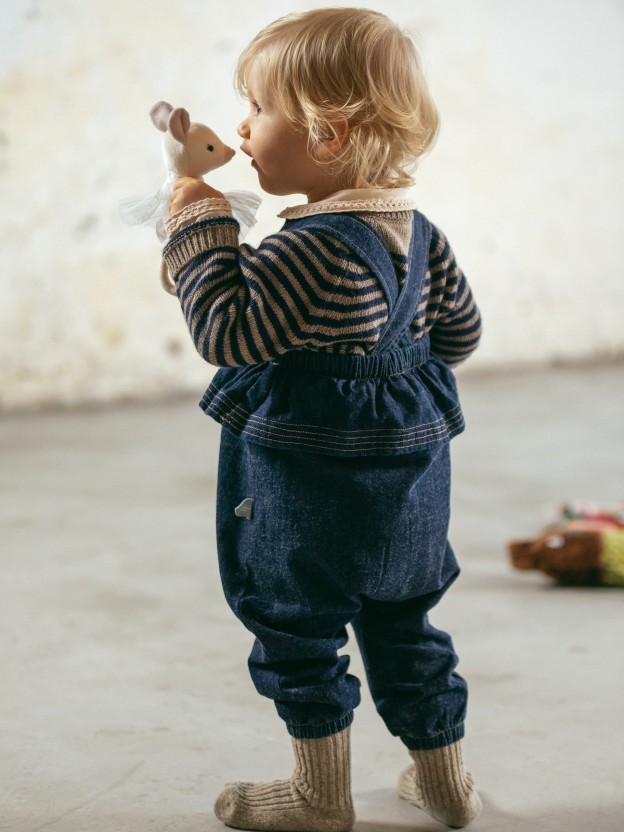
189	149
585	547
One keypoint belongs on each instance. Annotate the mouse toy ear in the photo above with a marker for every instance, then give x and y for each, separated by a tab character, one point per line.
160	113
179	124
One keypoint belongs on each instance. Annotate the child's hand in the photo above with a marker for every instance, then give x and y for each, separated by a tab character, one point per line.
187	190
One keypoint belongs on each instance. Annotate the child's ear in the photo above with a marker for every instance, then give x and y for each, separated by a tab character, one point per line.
332	143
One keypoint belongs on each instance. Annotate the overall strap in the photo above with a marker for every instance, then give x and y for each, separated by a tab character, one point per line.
359	236
405	307
383	360
364	240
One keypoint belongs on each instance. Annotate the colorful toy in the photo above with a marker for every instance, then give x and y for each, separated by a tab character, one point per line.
583	547
189	149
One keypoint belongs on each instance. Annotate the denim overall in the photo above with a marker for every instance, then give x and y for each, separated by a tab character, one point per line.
333	509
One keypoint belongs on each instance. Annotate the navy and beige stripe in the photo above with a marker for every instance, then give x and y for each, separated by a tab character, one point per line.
302	288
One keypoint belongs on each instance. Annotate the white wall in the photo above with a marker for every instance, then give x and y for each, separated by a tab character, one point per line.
526	178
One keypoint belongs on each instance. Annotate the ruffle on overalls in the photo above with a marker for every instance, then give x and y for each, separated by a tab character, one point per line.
398	399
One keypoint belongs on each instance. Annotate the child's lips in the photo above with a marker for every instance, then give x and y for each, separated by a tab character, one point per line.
247	153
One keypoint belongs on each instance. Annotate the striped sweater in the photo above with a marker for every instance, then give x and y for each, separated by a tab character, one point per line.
305	289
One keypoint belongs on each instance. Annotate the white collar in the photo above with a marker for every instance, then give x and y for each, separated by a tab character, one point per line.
377	200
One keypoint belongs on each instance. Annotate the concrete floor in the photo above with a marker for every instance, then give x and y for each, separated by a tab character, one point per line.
124	696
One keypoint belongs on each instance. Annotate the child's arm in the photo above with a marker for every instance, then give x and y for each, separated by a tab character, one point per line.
299	288
187	191
456	327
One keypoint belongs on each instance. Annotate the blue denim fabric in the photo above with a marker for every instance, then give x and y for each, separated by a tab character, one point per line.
344	462
332	542
396	400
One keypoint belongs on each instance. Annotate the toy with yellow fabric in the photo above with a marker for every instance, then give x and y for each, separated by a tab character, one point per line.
584	547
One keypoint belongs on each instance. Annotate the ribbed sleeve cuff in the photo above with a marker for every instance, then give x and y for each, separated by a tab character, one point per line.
197	239
197	211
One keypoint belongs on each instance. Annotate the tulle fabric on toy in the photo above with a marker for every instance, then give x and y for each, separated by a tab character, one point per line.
153	210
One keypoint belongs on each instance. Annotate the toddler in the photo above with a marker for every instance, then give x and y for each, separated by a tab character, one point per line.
335	338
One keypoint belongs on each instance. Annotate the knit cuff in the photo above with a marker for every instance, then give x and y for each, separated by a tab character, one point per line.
323	771
196	211
197	239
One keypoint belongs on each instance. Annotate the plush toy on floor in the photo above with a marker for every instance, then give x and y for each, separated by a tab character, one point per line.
189	149
584	547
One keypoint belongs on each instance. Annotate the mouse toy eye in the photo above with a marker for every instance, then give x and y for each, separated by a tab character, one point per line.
210	148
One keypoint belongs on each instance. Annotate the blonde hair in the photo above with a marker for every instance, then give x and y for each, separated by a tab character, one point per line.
357	63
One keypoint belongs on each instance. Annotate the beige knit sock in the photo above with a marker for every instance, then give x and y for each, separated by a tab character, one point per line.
317	798
438	783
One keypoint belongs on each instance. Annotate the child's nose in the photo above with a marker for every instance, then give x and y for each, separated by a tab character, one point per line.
243	129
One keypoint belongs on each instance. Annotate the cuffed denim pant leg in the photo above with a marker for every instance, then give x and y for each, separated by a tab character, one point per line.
324	542
410	667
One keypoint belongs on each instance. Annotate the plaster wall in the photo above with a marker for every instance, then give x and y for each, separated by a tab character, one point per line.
526	178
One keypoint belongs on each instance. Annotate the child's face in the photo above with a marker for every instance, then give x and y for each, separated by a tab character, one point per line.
279	149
